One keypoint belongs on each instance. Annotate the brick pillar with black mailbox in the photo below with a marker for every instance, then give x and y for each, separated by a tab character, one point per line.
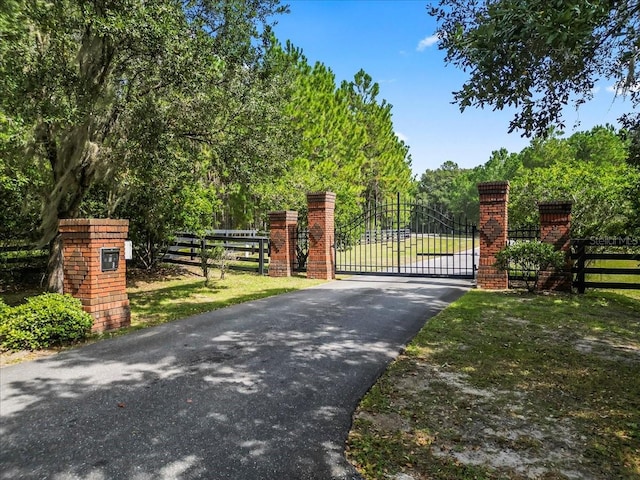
95	269
320	262
494	224
555	229
282	235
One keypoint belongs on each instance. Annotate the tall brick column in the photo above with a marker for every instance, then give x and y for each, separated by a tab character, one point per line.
95	269
494	224
555	228
282	233
320	263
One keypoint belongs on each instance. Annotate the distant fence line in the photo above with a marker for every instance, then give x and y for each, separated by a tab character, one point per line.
385	235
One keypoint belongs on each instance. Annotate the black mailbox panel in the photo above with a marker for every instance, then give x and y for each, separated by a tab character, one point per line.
109	258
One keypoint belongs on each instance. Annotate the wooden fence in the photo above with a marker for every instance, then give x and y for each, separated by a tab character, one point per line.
591	256
386	235
248	253
17	260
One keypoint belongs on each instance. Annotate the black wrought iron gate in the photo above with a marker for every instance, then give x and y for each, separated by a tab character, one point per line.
406	238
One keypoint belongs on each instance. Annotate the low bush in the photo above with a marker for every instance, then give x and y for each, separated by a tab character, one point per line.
43	321
4	316
4	308
530	258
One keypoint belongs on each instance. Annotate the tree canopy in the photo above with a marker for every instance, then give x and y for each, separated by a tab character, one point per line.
178	115
342	140
101	90
538	56
592	169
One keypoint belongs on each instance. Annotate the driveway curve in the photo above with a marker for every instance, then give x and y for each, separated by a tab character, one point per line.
262	390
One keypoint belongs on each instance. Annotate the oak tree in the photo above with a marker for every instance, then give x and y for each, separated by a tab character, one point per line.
537	56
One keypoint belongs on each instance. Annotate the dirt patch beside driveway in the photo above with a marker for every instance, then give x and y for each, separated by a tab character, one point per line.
509	386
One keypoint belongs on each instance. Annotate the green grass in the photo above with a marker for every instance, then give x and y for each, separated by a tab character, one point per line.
632	277
379	256
546	381
164	301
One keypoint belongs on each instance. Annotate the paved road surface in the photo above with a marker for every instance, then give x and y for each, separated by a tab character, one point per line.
263	390
460	263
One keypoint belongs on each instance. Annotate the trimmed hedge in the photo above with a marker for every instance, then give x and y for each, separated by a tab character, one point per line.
43	321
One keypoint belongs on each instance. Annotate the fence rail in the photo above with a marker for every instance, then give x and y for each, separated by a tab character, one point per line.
387	235
12	256
583	257
254	251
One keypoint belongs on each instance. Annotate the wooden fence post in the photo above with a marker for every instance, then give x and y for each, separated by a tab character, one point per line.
580	264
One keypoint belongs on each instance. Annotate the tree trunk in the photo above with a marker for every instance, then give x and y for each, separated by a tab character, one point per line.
55	266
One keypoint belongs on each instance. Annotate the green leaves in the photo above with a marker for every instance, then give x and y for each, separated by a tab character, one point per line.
342	140
43	321
590	168
141	105
539	57
530	258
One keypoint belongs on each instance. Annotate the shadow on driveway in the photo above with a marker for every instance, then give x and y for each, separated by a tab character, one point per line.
262	390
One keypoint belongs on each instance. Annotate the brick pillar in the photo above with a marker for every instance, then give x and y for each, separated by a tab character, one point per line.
494	223
282	233
95	269
555	228
320	263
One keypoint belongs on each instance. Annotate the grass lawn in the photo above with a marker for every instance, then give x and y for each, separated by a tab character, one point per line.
632	277
160	301
381	255
507	385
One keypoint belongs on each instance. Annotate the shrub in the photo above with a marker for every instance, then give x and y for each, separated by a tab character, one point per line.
43	321
529	257
4	316
4	308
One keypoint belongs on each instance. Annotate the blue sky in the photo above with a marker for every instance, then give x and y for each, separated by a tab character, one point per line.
384	38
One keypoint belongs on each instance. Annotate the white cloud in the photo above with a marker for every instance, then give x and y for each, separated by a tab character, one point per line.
402	137
622	92
427	42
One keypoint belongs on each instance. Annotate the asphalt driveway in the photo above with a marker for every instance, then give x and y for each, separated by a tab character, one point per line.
262	390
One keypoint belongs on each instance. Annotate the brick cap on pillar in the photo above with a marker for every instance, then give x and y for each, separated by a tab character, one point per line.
321	197
558	206
493	188
98	222
283	216
95	228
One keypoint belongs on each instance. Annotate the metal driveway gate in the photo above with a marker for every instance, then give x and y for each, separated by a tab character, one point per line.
408	239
